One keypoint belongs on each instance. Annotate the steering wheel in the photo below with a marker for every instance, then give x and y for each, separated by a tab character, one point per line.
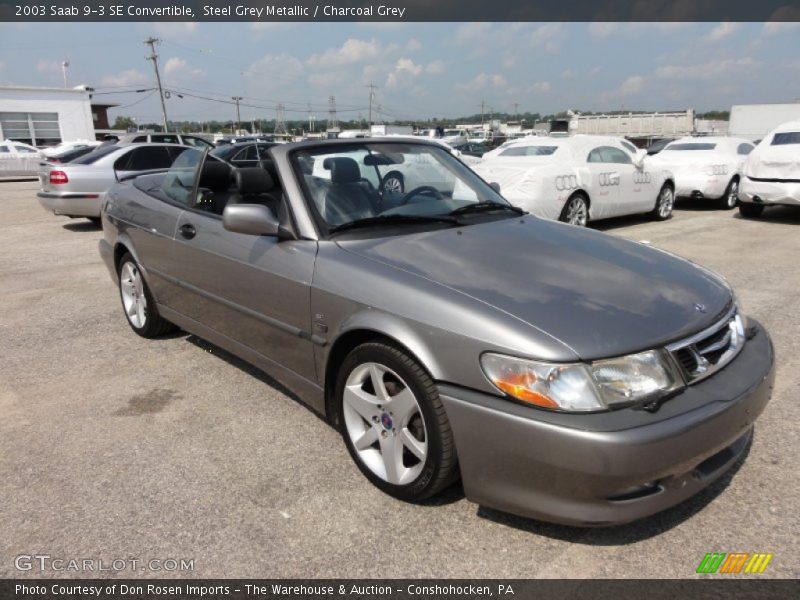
423	189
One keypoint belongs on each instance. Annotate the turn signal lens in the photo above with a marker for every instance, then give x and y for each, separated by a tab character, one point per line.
547	385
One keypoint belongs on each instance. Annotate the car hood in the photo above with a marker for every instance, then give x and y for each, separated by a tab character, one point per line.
600	295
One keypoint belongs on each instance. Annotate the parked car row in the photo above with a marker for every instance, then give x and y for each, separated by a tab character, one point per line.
560	372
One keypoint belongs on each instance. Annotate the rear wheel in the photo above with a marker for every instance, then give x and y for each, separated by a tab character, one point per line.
394	424
576	210
730	198
137	301
664	203
750	211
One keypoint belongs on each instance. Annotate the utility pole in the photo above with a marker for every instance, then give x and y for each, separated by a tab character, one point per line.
516	112
236	100
151	41
64	66
483	108
372	89
280	119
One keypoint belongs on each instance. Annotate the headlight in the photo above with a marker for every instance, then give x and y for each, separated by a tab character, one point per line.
581	387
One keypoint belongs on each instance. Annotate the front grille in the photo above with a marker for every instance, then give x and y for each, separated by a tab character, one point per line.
705	353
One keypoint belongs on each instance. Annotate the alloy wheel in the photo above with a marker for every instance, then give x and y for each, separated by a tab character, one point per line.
393	185
384	423
577	213
134	301
733	194
666	200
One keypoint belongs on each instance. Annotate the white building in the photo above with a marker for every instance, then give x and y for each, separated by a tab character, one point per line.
45	116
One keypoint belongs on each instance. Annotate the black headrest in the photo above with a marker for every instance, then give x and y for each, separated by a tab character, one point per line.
343	169
215	175
269	167
253	180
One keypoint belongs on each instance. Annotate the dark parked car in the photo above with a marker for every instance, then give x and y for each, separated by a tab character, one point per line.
471	148
560	372
244	154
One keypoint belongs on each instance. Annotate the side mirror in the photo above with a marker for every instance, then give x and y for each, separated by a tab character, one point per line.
250	219
638	159
495	186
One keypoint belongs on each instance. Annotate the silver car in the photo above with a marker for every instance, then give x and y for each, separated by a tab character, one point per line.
77	188
561	373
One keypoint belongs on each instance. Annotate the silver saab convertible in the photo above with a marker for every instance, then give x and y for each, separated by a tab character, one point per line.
561	373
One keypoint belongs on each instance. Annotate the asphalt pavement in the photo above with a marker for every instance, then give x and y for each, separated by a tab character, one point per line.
113	447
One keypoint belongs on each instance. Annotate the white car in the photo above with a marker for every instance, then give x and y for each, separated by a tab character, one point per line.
16	156
579	179
706	167
771	174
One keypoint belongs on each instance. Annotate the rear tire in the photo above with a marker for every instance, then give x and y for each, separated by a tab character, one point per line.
576	210
665	202
730	198
394	424
137	301
750	211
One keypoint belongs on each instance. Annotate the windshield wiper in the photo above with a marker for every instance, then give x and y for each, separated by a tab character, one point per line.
486	206
393	220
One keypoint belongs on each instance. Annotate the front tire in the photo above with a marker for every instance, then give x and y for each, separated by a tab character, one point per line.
576	210
137	301
664	203
730	198
394	424
750	211
393	183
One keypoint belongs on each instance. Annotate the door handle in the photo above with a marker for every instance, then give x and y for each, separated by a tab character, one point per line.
188	231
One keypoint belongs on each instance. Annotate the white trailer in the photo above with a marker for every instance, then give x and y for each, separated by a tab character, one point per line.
754	121
381	130
635	125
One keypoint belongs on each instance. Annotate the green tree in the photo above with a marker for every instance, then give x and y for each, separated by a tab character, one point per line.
124	123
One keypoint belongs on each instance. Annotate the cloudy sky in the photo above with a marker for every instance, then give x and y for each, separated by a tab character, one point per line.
421	69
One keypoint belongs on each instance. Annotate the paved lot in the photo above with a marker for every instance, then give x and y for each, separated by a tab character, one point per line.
112	446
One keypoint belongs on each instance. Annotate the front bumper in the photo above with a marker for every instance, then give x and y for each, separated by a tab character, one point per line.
693	185
614	467
71	204
769	192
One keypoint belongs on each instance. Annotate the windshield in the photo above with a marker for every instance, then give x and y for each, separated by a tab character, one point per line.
529	151
786	138
348	183
691	146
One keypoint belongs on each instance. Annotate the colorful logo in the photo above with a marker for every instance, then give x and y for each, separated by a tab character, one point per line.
734	562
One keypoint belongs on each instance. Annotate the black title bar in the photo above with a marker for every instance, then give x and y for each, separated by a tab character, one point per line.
400	10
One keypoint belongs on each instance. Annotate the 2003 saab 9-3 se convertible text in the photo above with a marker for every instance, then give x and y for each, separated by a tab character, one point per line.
561	373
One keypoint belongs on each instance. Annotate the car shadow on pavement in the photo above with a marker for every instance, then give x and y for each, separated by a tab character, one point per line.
82	225
629	533
249	369
783	215
700	205
615	222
